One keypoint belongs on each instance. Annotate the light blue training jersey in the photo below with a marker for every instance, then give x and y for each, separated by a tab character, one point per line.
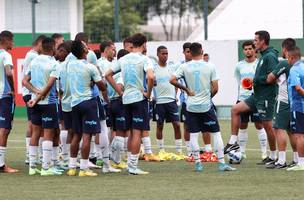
40	70
133	67
27	60
296	78
198	76
5	59
80	74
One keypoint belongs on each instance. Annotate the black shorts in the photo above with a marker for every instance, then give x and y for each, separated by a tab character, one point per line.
45	116
203	122
85	117
137	115
167	111
7	108
297	122
67	119
252	116
117	115
29	110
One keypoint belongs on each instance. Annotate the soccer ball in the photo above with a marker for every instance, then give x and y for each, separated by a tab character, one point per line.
235	156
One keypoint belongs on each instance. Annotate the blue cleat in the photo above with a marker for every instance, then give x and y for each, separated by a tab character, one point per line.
224	167
199	167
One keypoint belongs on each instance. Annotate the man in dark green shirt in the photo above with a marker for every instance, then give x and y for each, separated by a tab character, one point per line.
263	98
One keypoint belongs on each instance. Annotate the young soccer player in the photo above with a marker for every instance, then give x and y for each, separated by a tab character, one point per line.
135	67
85	119
7	101
246	69
296	98
202	84
59	39
166	106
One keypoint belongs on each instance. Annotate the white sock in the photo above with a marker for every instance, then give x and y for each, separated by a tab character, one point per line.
126	144
208	148
233	139
104	143
147	144
92	147
128	157
40	148
273	155
301	161
195	146
84	164
2	155
243	138
282	157
117	146
218	146
46	153
33	153
55	155
160	144
98	152
72	163
27	144
64	146
263	140
188	148
295	157
178	145
133	161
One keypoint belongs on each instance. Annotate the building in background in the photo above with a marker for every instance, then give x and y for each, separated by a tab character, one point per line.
60	16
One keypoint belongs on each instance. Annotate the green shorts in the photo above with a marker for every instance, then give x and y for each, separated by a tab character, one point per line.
265	107
281	119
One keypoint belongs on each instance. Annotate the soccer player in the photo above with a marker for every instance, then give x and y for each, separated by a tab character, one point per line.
166	106
127	44
206	57
246	69
85	119
91	57
59	39
263	98
296	98
7	96
135	67
281	120
202	84
40	80
33	53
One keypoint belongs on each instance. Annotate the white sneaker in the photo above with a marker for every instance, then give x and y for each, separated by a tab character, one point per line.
110	170
93	166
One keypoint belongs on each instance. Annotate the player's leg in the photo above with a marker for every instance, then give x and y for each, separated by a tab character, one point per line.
292	140
26	98
160	117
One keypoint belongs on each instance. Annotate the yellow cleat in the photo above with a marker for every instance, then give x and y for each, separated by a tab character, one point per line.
152	158
83	173
121	165
71	172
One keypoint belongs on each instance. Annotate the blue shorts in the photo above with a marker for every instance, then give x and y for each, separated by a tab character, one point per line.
137	115
184	113
252	116
297	122
85	117
117	115
203	122
29	110
45	116
7	108
101	109
67	119
167	111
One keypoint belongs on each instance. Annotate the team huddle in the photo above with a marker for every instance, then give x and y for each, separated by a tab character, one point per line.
92	109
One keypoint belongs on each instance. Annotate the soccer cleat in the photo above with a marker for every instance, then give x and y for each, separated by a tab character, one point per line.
152	158
292	164
230	147
264	161
99	162
280	166
296	168
93	166
93	160
225	167
121	165
271	166
110	170
271	161
83	173
33	171
47	172
137	171
71	172
199	167
7	169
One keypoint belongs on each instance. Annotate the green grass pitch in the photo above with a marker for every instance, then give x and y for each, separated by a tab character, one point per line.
174	180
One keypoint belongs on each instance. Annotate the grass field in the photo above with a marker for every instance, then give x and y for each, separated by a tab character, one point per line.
174	180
